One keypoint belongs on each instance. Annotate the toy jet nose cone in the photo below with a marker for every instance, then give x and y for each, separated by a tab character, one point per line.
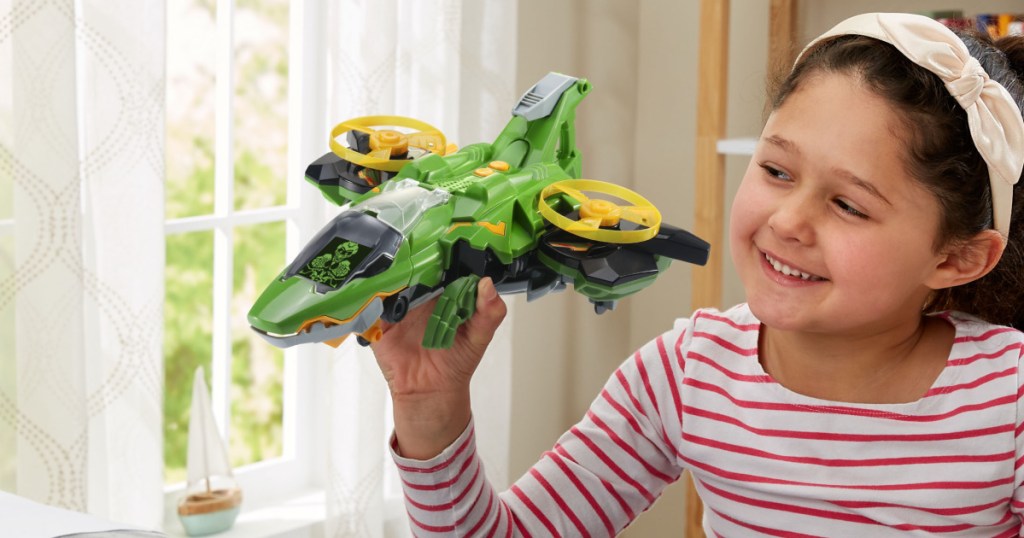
283	306
290	312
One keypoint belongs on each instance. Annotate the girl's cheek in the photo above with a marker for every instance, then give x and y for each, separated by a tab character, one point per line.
742	220
745	204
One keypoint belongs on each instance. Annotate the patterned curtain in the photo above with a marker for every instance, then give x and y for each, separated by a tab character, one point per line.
82	254
452	64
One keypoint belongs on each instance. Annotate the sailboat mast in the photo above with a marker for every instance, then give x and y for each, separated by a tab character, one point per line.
205	451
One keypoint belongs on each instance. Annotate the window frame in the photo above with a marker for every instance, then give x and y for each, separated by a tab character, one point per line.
294	473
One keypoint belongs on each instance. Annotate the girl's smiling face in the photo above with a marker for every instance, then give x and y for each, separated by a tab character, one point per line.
828	231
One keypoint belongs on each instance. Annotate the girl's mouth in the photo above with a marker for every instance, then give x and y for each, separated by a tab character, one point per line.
789	271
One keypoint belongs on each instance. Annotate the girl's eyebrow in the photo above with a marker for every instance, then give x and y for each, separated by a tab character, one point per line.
782	143
790	147
864	184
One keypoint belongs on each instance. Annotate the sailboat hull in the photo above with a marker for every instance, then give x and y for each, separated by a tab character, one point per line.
211	523
209	513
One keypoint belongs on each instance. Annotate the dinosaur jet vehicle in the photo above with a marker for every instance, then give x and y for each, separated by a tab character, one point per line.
420	220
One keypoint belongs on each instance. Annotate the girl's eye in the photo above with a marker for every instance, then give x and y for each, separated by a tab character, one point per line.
776	173
849	209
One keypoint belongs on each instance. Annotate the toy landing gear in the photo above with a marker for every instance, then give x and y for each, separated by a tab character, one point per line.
600	307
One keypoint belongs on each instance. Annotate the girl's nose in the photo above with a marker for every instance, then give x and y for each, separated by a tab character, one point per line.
793	219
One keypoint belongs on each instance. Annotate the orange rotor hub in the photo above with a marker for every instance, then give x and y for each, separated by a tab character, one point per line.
609	213
389	139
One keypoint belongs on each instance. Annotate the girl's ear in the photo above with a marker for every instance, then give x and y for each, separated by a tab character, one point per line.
968	261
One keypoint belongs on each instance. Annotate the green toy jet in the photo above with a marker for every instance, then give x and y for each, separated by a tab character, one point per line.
420	220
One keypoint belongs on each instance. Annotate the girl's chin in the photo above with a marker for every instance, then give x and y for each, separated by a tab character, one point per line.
781	316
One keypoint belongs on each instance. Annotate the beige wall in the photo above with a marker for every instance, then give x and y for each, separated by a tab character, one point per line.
637	128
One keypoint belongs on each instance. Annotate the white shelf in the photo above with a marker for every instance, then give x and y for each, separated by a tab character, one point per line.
301	517
737	146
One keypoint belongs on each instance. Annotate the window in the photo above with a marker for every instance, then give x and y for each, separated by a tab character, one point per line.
237	210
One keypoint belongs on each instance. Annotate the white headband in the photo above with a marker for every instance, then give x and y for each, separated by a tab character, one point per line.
994	118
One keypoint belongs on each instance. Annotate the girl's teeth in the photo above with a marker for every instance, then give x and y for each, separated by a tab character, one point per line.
789	271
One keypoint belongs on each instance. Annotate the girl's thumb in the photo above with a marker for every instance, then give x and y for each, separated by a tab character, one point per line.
490	311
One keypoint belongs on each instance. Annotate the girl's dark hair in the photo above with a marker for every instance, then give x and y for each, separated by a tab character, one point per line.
941	153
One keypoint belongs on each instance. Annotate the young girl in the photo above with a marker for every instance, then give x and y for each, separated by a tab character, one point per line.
871	386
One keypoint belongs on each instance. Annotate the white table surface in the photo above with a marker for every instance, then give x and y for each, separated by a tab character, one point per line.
29	519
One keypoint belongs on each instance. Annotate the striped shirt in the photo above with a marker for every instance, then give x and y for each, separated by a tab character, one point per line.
766	461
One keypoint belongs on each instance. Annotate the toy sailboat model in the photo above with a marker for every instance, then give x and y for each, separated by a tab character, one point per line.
212	497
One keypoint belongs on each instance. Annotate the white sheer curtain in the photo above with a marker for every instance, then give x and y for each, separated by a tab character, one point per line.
450	63
81	254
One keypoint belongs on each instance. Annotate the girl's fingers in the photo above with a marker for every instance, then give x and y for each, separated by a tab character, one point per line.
479	329
490	311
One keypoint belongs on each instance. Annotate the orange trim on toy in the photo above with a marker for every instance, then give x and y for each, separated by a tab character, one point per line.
385	142
374	333
363	176
642	212
494	228
371	335
337	341
328	321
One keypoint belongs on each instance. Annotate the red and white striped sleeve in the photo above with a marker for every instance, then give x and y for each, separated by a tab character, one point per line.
598	477
1017	502
449	495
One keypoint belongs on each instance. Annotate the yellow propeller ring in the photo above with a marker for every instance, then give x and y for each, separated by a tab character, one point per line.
385	142
595	213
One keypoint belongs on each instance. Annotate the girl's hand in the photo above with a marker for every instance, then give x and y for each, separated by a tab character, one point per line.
430	387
